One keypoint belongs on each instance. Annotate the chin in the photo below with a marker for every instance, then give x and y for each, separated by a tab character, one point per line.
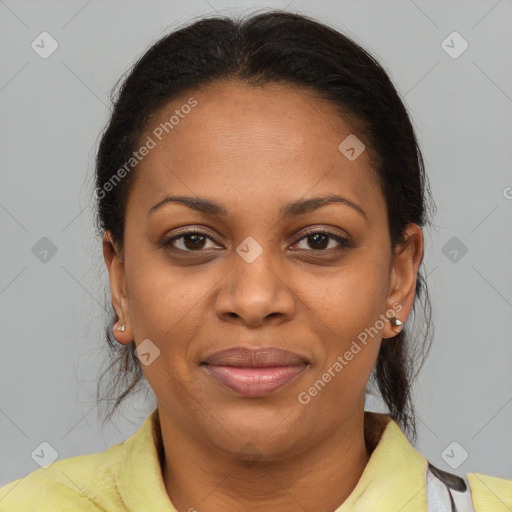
258	433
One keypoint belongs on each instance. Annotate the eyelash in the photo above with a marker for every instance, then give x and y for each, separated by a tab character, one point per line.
345	243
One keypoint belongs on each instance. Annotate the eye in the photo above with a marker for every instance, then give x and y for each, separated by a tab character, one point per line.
318	241
190	240
193	240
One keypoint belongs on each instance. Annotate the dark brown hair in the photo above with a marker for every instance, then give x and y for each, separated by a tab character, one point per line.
287	48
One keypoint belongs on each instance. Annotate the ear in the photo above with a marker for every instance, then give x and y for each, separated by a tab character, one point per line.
115	266
404	273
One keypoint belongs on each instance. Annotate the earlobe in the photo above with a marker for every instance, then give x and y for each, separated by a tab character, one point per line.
396	323
121	334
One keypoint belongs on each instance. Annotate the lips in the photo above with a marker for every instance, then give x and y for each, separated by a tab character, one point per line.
255	358
254	372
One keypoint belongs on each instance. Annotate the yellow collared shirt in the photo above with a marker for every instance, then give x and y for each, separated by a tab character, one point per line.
127	476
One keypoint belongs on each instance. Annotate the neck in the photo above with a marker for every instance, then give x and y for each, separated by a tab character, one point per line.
199	476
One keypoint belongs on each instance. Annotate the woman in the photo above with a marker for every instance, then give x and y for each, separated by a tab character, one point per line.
261	197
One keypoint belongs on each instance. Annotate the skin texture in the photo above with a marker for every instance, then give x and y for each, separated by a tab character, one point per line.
254	149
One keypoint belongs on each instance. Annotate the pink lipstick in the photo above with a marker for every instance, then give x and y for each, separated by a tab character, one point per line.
254	372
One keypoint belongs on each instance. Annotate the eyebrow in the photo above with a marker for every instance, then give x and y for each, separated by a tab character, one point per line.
292	209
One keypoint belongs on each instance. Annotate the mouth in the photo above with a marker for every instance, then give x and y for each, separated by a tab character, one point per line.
256	372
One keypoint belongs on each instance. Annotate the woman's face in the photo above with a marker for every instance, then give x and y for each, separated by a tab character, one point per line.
260	274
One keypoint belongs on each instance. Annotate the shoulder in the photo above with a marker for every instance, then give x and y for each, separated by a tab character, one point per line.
490	493
84	482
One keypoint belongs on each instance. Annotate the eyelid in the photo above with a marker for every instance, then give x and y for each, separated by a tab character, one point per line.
324	230
168	240
343	241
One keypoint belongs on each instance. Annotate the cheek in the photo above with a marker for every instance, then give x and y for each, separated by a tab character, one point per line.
350	341
347	305
332	392
166	309
165	305
351	298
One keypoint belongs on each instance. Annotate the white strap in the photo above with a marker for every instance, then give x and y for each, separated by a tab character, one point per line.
463	501
438	496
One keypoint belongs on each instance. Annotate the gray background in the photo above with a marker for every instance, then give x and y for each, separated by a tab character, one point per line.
53	111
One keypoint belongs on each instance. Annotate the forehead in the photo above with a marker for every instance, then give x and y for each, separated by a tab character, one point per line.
252	142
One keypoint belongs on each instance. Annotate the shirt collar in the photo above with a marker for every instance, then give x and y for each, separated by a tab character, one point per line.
140	482
393	480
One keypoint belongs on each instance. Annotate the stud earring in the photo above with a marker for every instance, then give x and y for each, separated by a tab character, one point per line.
396	322
121	328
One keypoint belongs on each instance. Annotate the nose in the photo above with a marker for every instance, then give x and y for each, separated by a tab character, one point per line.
254	291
